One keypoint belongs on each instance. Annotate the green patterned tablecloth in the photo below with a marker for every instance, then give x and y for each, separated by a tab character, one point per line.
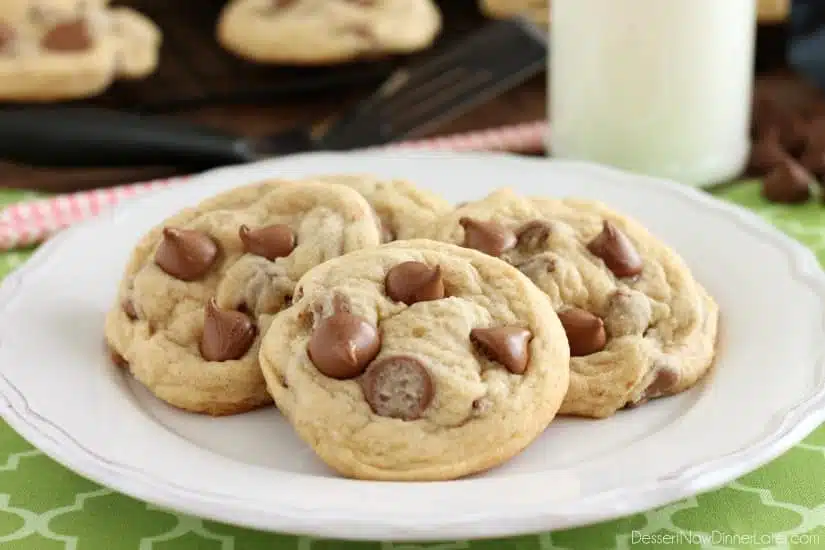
43	506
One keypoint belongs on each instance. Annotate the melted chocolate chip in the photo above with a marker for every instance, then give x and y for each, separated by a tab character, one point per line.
398	387
616	250
186	254
342	345
534	234
487	236
585	332
411	282
507	346
118	359
270	242
129	309
665	380
787	183
71	36
227	335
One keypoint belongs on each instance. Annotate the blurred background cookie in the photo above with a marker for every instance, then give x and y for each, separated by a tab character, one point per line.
317	32
53	50
535	10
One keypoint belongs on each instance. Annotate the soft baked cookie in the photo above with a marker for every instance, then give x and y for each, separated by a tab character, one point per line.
200	289
416	360
406	211
639	325
54	50
536	10
316	32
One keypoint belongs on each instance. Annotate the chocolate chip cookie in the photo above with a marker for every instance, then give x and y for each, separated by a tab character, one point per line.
314	32
638	323
201	288
53	50
536	10
416	360
406	211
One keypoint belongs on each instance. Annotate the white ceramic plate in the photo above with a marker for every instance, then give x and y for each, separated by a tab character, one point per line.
766	393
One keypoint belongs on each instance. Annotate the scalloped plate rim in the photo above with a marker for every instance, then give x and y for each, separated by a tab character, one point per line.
796	422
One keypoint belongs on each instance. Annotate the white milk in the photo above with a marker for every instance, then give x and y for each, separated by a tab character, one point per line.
660	87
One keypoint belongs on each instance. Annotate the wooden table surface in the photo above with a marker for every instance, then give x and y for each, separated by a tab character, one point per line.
526	103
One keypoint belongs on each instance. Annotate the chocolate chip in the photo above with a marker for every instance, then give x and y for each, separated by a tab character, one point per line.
628	312
398	387
585	331
616	250
118	359
129	309
186	254
227	335
342	345
486	236
787	183
72	36
504	345
665	380
766	152
270	242
412	282
533	234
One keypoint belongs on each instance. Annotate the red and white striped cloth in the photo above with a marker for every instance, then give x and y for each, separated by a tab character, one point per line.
27	223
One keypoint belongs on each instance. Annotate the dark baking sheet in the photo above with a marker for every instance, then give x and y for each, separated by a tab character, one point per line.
195	70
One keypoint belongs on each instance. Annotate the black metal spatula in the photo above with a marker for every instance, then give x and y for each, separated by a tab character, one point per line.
412	101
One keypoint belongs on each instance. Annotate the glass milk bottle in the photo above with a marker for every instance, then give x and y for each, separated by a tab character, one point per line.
658	87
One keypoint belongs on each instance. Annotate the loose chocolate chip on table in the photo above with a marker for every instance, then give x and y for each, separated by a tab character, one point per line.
398	387
342	345
791	126
813	160
411	282
270	242
186	254
72	36
787	183
585	331
227	335
504	345
486	236
129	309
616	250
766	152
533	234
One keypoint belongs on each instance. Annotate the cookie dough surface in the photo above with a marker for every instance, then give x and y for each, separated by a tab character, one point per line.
53	50
406	211
454	362
639	324
312	32
200	290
